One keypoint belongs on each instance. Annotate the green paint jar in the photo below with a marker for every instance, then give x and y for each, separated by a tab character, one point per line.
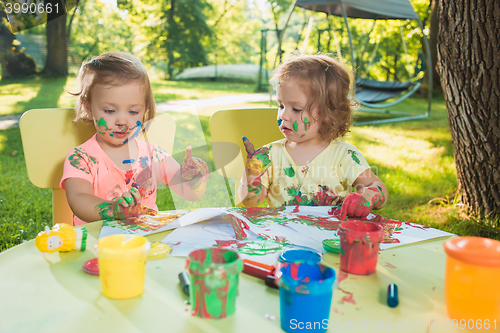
214	282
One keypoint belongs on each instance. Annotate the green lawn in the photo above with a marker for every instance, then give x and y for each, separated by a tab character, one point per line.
414	159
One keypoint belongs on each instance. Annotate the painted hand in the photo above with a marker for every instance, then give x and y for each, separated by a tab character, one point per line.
325	197
359	204
126	206
193	169
257	160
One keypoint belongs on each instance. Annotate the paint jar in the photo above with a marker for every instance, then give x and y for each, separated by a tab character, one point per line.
306	291
471	280
295	256
359	246
214	282
122	265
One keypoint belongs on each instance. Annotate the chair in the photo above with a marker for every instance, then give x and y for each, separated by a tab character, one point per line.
228	126
49	134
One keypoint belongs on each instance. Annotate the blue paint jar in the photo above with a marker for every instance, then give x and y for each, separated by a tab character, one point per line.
295	256
306	291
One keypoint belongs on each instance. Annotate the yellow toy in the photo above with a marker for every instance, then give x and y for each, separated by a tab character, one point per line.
62	237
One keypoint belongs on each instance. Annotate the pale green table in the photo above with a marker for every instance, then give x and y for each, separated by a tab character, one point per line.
51	293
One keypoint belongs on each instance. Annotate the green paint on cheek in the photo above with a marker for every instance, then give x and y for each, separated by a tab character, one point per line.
306	124
102	123
295	126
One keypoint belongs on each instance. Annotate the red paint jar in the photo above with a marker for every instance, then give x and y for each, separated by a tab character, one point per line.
359	246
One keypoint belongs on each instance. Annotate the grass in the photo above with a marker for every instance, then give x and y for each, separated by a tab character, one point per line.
19	96
413	158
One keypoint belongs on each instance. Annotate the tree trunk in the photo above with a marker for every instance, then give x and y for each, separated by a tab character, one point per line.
14	62
434	29
56	64
170	39
469	67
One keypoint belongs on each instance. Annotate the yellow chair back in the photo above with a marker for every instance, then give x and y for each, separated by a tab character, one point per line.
227	127
49	134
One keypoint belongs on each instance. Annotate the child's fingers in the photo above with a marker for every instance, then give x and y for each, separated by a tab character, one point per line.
201	166
121	202
187	157
348	204
343	210
136	195
248	146
355	205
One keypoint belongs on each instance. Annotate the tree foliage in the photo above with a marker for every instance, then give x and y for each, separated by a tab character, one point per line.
393	50
235	32
98	28
172	35
172	32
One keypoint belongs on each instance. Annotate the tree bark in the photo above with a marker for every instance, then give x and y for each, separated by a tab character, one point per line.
56	64
434	29
469	67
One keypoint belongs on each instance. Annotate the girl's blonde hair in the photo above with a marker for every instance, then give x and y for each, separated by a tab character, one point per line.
115	69
328	85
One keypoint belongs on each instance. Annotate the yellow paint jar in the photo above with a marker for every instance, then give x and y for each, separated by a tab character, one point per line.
471	280
122	265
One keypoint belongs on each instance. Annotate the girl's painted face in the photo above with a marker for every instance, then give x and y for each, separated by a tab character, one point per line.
295	123
118	112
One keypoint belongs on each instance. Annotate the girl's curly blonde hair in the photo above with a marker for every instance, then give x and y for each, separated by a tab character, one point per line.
115	69
328	85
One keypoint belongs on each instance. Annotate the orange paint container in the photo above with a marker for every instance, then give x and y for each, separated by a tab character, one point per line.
472	287
122	265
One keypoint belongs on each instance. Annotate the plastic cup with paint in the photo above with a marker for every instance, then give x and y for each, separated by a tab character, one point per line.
306	292
295	256
122	265
359	246
471	279
214	282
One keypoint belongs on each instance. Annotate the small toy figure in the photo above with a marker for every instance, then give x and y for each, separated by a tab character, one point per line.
62	237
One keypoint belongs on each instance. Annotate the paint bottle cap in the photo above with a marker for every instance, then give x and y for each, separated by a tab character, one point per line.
477	251
159	250
91	267
300	256
332	245
392	295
